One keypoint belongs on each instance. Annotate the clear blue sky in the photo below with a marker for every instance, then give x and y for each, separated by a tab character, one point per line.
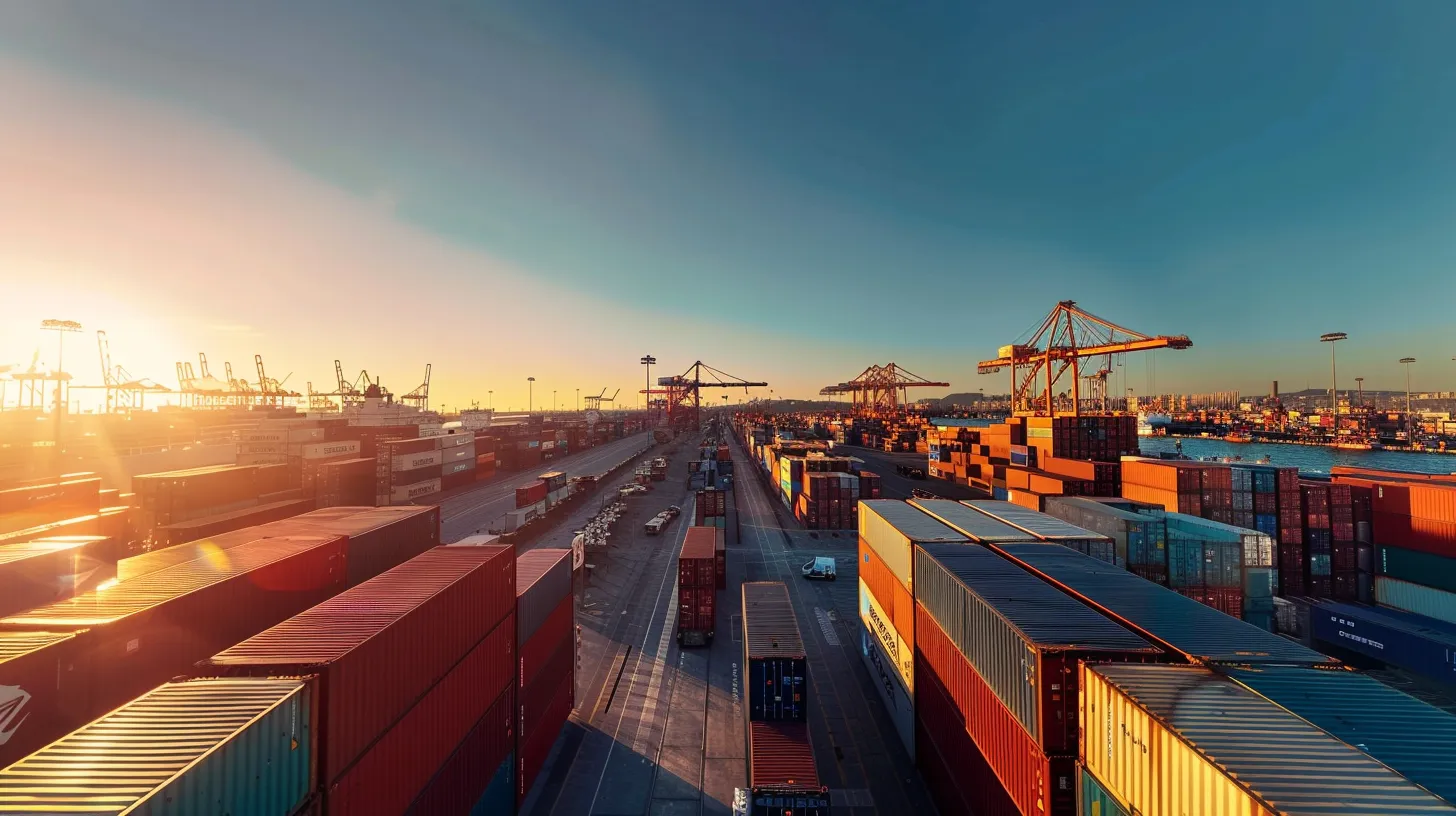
796	189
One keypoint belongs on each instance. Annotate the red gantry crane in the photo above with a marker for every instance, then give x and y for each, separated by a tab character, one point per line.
680	393
881	388
1067	336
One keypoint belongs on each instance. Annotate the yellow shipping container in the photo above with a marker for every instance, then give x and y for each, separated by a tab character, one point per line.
1181	740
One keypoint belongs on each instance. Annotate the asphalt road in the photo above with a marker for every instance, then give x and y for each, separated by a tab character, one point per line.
659	729
468	512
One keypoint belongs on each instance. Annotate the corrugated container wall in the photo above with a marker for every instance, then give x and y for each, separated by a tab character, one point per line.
773	652
892	528
1159	738
200	747
543	579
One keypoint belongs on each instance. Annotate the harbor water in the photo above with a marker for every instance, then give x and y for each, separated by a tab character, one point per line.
1308	458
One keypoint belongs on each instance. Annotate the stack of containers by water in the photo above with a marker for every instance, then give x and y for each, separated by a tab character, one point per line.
1228	568
404	668
545	679
1140	537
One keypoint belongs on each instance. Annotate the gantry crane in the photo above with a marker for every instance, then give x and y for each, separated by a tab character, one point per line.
594	402
123	391
420	397
1070	335
881	388
681	393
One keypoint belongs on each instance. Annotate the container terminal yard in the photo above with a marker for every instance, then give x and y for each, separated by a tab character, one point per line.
347	603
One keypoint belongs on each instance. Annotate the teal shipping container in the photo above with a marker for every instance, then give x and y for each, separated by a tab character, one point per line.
1141	540
1426	569
242	747
500	794
1409	597
1094	799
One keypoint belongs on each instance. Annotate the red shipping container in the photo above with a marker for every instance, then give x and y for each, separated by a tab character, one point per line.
382	644
531	753
388	777
462	781
1035	782
139	634
536	698
380	538
538	650
697	563
530	494
46	570
697	614
1433	502
781	759
720	560
956	772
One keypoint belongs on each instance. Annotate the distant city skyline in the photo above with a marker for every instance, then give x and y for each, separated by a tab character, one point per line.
789	192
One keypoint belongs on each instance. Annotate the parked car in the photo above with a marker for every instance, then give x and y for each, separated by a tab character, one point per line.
673	511
822	567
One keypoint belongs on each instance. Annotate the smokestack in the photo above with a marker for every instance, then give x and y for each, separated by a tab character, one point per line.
1274	393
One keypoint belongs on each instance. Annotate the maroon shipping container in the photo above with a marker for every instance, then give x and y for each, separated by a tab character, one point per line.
219	523
381	645
398	766
46	570
957	774
530	494
781	763
141	633
711	503
720	548
462	781
697	581
543	582
535	697
1036	782
536	652
167	498
406	447
24	507
531	752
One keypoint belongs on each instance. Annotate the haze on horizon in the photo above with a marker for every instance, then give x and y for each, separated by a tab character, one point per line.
787	191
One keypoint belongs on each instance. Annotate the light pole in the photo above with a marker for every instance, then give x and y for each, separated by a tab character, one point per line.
648	360
490	396
1409	434
1360	390
578	400
1332	338
530	386
553	400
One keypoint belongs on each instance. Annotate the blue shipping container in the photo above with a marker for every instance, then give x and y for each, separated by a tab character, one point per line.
1400	639
239	746
500	794
1267	523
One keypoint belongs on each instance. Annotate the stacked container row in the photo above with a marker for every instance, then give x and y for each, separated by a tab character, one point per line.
545	679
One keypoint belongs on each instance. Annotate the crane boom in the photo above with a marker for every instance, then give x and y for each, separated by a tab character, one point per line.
1068	335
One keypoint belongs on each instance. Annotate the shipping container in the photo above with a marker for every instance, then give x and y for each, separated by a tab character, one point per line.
533	749
400	763
777	667
44	675
460	787
139	634
1170	620
35	505
892	528
697	586
1427	569
1139	540
381	645
1036	782
531	494
1414	598
1049	528
219	523
543	582
1158	737
887	669
782	777
46	570
204	747
1022	635
1095	799
971	523
1421	645
957	774
536	653
1409	736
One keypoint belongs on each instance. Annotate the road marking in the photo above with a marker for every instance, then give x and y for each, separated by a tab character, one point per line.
826	626
654	685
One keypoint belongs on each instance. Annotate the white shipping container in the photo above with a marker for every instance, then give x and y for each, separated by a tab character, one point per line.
325	450
417	490
458	453
555	497
410	461
263	448
458	467
456	440
262	459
